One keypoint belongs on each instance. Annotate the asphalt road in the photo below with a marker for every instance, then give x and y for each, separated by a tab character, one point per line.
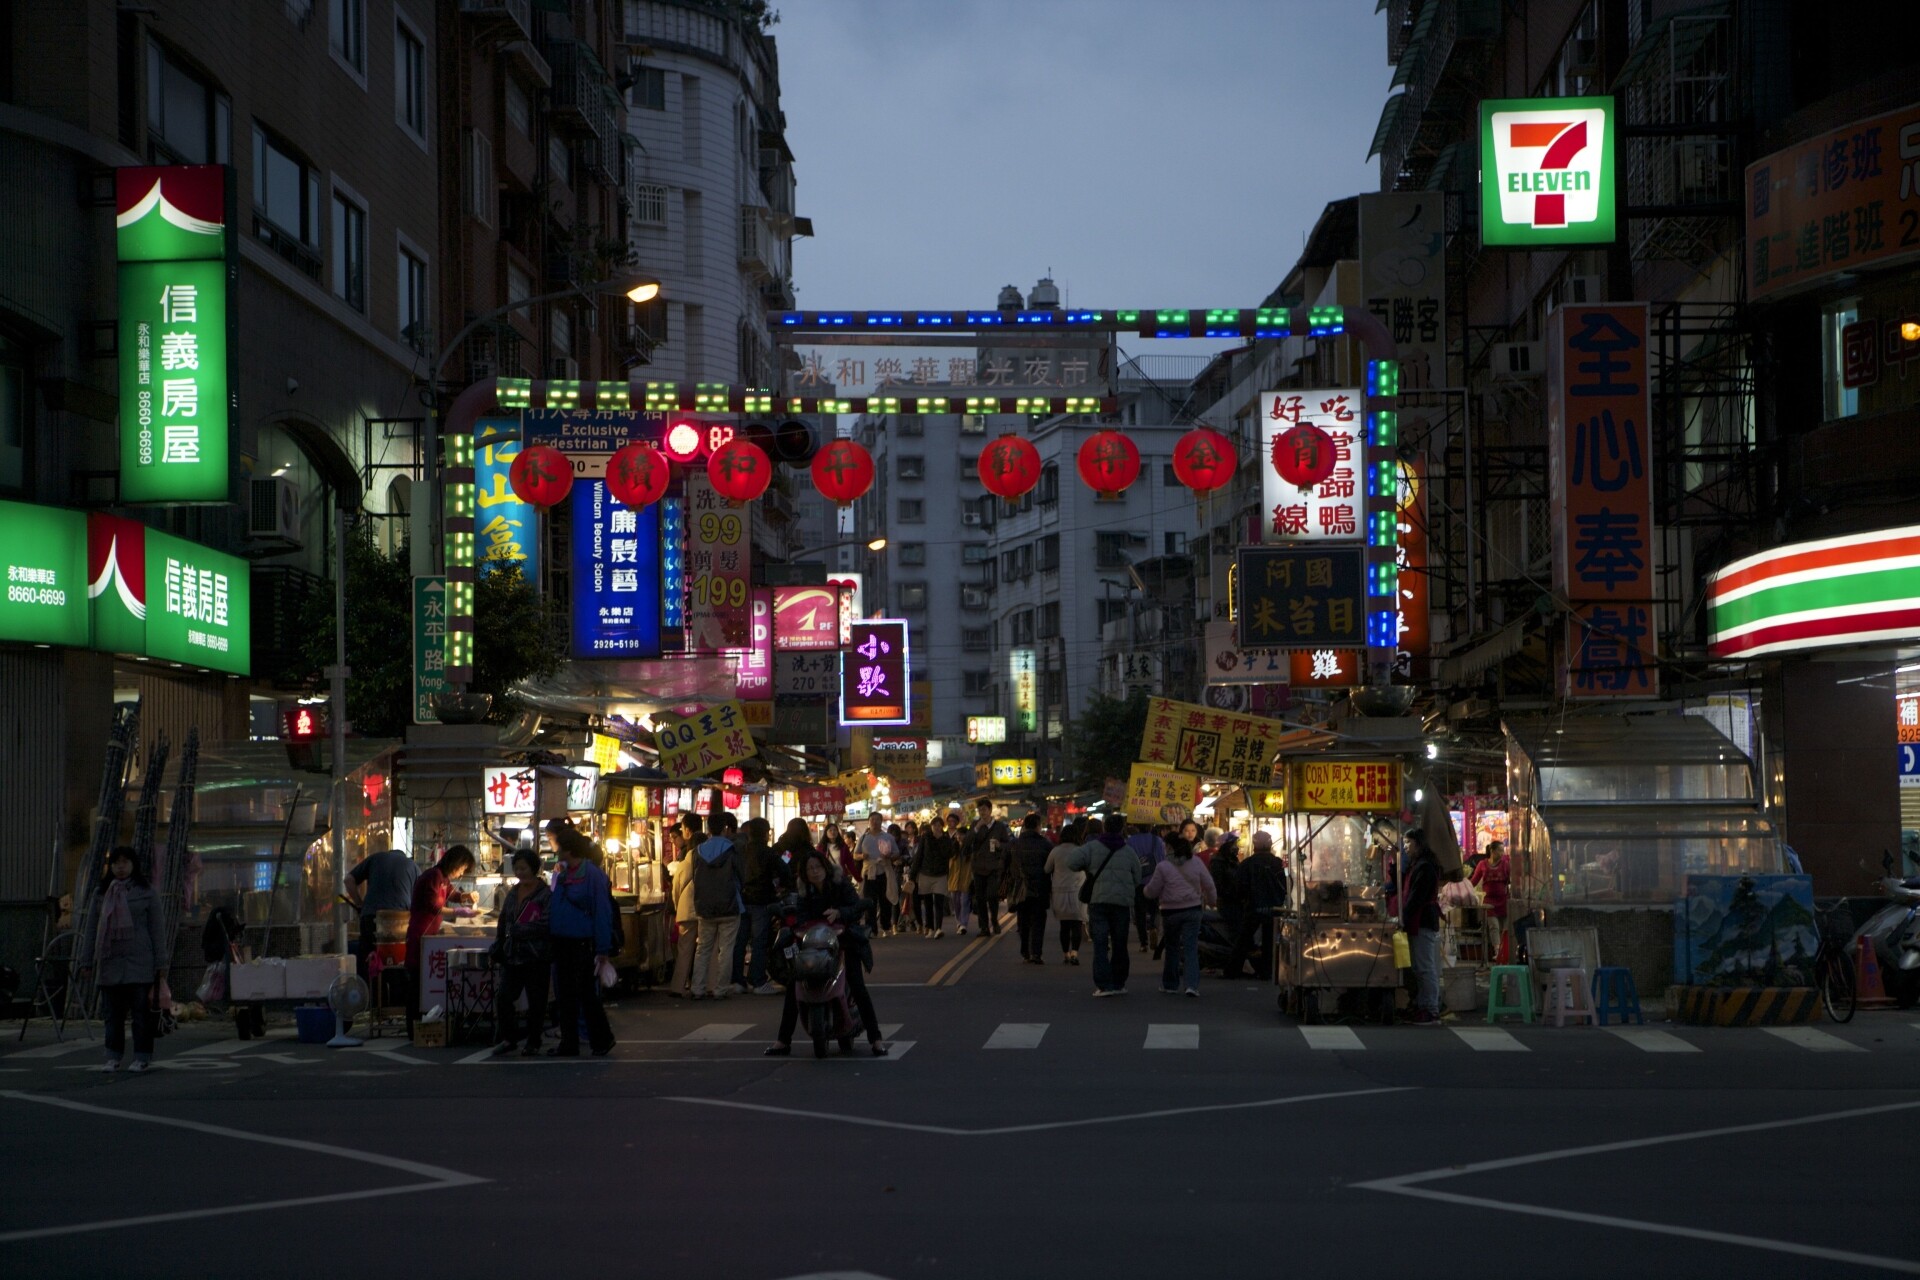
1021	1129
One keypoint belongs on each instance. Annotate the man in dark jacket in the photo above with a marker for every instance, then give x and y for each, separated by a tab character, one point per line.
762	882
937	851
1152	851
1227	881
1420	917
1261	886
1032	889
987	843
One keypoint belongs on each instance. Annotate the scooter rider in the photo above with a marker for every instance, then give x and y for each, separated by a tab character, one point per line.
826	895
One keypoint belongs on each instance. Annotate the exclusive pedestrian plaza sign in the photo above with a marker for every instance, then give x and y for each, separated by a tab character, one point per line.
172	243
1547	172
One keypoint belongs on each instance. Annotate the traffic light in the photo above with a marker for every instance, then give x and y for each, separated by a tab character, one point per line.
303	727
793	443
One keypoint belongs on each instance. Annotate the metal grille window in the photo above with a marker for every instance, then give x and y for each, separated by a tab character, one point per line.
1049	622
910	467
912	511
913	596
1049	488
976	553
975	684
480	189
973	424
913	553
1050	553
976	639
650	204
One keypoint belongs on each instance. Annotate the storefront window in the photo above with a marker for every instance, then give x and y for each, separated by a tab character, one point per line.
1838	400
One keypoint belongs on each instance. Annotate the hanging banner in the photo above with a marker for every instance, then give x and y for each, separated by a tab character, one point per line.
1413	627
1196	739
1156	795
900	758
874	676
1014	773
616	575
1228	663
806	618
693	746
1403	268
1332	510
429	646
822	802
719	571
1302	597
506	530
1336	786
175	393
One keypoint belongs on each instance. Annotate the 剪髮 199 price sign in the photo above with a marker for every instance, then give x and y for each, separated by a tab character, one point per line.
719	571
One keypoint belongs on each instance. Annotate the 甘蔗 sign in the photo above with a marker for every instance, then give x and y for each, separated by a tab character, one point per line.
1014	773
1334	786
1217	744
1156	794
1547	171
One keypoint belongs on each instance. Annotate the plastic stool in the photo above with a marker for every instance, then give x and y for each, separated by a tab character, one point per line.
1569	996
1522	983
1614	992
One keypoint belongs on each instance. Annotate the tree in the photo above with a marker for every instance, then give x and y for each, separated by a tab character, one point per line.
517	635
1104	739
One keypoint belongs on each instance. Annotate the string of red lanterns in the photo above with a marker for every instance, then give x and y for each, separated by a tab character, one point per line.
1108	462
843	471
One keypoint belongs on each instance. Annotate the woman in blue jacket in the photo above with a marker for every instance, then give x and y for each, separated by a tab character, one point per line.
580	923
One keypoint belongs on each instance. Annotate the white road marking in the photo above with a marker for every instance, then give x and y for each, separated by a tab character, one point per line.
968	957
717	1032
438	1179
1489	1039
1649	1040
1017	1035
1331	1038
59	1049
479	1056
1404	1185
230	1046
888	1030
394	1055
1032	1128
1172	1035
1813	1039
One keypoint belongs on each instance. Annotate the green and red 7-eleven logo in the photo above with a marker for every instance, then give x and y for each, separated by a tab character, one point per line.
1547	171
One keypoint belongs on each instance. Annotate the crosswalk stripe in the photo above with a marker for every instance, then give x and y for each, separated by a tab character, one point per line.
718	1032
58	1049
1017	1035
1489	1039
1331	1038
888	1030
1172	1035
1650	1040
1814	1039
222	1047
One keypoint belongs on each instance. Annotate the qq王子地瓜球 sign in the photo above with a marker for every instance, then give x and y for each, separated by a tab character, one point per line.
1547	170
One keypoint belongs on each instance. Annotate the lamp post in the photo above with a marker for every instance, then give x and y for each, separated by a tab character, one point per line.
872	544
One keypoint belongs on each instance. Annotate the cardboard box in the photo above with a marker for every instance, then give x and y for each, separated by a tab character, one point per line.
430	1035
308	977
257	981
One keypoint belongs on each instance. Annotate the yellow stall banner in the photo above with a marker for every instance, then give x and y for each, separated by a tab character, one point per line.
1338	786
1217	744
692	746
1157	794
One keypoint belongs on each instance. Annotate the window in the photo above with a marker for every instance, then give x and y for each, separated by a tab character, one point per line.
561	329
1049	624
973	424
976	553
913	553
912	511
187	121
970	467
910	467
410	81
650	88
1838	400
913	596
1168	476
412	278
1053	688
1020	627
973	597
347	34
519	284
910	424
480	190
1111	550
286	191
560	160
650	204
1048	491
976	639
1175	543
14	408
350	251
519	110
1050	553
976	684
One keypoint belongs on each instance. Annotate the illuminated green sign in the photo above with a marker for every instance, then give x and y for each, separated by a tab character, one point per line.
45	552
174	390
1547	171
199	605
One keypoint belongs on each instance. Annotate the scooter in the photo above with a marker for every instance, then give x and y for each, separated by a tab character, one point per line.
819	977
1894	935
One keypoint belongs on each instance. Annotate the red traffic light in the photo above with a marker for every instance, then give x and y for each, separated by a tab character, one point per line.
303	724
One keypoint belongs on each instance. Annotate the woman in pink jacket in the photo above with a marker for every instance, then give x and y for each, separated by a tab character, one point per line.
1184	888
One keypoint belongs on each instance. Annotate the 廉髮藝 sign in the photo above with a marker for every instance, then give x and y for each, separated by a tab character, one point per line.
1217	744
873	674
505	530
175	406
1302	597
45	551
693	746
616	575
1547	171
1156	794
429	646
1335	786
199	605
1333	510
1014	773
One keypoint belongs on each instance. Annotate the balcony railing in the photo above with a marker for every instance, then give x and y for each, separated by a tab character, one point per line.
759	252
583	94
513	18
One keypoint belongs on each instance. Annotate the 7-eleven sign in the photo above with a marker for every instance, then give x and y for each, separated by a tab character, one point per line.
1547	171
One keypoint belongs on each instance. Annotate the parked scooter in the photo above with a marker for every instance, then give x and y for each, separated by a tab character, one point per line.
1894	935
811	953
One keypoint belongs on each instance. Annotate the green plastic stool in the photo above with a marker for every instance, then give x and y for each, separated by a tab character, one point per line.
1522	982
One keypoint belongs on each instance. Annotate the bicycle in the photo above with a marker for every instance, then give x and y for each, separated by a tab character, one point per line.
1832	968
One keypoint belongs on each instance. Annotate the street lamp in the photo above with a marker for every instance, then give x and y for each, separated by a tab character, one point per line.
871	544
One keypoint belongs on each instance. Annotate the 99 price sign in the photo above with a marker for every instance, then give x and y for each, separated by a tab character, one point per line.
719	571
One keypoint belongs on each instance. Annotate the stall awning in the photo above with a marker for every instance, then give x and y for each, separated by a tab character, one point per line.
1503	644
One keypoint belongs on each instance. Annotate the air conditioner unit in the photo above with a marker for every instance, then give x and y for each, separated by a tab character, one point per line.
1516	359
1579	291
273	511
971	519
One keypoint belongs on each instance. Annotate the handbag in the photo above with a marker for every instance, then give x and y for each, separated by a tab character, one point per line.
1086	886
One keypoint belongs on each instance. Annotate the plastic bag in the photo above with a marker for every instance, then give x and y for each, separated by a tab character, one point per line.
213	987
1402	950
603	971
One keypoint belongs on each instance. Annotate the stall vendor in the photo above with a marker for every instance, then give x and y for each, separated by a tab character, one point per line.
431	893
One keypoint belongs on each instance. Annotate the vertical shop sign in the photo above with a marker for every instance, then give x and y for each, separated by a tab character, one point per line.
1023	670
429	646
874	687
1600	456
506	530
175	394
1413	628
673	562
1334	509
1403	268
719	571
616	575
753	673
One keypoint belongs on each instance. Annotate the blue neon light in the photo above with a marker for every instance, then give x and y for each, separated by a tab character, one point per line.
985	317
887	318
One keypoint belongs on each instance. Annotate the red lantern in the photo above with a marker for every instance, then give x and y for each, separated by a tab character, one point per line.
541	476
843	471
1204	460
1303	455
733	779
740	470
1108	462
1009	466
637	475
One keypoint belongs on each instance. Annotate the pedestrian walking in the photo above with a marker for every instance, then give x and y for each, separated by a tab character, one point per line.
762	882
1262	885
835	843
879	873
1066	880
938	848
959	873
523	952
717	901
1493	877
1227	882
1420	917
987	844
1113	868
127	953
688	836
907	837
580	925
795	843
1183	888
827	895
1151	849
1028	889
